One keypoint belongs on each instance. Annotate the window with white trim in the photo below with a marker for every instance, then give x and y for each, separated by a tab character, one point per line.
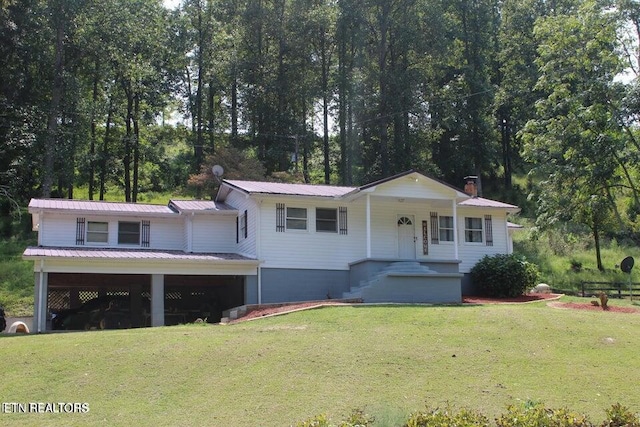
97	232
473	230
128	233
445	228
296	219
327	220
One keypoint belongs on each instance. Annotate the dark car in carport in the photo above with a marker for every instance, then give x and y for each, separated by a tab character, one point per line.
104	312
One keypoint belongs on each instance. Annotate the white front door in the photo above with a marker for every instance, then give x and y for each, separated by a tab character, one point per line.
406	237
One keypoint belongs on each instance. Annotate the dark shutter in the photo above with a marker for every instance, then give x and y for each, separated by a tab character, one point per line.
342	211
245	222
435	233
146	233
488	230
80	224
237	230
425	238
280	218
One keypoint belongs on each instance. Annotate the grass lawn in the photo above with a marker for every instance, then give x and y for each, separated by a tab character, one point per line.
277	371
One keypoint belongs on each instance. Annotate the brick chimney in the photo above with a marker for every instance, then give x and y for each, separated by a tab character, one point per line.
471	185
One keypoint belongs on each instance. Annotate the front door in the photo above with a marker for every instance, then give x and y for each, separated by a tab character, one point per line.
406	237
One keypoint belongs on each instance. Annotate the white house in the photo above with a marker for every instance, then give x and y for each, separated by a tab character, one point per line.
407	238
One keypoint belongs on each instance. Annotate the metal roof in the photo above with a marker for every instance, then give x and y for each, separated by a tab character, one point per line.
98	206
486	203
200	205
129	254
258	187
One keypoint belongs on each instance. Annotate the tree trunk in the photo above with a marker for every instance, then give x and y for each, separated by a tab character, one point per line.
383	119
105	150
92	146
127	147
211	116
234	105
325	106
596	239
56	99
305	144
505	127
136	147
342	101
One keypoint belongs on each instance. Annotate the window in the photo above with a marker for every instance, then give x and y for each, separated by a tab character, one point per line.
327	220
296	219
97	232
128	233
473	230
445	228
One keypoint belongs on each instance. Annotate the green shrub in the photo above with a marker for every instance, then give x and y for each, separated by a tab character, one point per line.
357	418
317	421
446	418
504	275
536	415
620	416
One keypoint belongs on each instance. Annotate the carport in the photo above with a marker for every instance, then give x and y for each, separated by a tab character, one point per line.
160	287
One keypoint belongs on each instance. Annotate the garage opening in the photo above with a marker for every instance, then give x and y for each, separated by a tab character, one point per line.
117	301
187	298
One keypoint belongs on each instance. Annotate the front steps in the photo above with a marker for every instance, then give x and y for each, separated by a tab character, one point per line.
408	282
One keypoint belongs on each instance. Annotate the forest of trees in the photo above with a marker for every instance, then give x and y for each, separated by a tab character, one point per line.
132	95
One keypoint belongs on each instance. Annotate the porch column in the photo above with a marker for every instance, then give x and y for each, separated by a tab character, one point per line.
157	300
455	229
40	301
368	226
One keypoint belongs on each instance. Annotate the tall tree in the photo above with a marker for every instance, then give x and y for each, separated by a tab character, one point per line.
575	141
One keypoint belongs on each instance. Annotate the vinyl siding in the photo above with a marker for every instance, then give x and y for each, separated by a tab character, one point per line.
241	203
60	230
310	249
214	233
408	187
471	253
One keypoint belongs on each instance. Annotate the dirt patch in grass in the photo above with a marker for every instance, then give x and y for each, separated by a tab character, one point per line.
283	308
591	307
532	297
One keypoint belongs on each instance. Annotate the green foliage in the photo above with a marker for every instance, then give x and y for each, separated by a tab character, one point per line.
559	252
16	278
317	421
621	416
527	414
504	275
357	418
447	417
537	415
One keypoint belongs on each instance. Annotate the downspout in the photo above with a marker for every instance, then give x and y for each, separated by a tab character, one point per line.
509	236
41	310
455	230
368	226
190	232
40	226
258	248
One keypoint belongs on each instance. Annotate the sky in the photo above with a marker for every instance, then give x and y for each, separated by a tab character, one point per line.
171	4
